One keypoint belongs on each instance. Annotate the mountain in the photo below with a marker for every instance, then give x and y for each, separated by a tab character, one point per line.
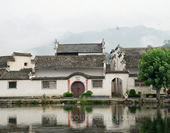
138	36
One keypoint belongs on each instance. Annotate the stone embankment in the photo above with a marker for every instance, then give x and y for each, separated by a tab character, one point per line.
80	101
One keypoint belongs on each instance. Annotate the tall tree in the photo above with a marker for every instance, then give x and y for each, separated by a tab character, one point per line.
154	69
166	43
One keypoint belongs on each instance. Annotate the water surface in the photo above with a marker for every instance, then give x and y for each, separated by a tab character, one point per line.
85	119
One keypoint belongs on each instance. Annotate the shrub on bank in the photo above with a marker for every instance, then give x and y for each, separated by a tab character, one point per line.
68	94
87	94
150	95
132	93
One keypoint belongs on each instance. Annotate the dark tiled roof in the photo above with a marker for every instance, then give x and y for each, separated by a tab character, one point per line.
80	48
68	77
21	54
2	71
117	72
4	60
132	56
69	62
16	75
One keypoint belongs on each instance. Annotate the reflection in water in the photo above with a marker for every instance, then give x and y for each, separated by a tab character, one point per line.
49	120
117	114
158	125
97	119
78	115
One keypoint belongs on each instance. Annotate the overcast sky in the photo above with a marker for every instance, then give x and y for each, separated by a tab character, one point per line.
26	24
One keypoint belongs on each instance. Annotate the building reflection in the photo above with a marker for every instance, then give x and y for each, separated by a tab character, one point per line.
49	120
78	115
97	119
117	114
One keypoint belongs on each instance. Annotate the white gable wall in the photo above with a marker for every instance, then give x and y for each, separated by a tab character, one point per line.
18	64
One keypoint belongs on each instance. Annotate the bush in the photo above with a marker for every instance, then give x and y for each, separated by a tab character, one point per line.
18	102
137	95
34	102
87	94
72	102
68	94
153	95
132	92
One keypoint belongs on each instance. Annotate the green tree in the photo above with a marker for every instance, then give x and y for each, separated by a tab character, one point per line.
149	46
166	43
154	69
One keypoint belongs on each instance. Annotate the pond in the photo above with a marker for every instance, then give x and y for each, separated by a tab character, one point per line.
85	119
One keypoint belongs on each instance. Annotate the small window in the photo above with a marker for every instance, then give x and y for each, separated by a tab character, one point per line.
12	120
139	83
97	83
12	85
25	64
48	84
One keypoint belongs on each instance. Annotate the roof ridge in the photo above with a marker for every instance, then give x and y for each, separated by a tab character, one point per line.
79	43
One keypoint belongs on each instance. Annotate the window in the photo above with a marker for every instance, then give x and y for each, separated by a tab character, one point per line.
12	120
12	84
48	84
25	64
97	83
139	83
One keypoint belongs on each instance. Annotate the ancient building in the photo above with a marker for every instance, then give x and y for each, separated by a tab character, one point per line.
76	68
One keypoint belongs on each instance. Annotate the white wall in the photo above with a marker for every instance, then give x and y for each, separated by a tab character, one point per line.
110	76
103	91
67	72
31	88
34	87
143	89
18	64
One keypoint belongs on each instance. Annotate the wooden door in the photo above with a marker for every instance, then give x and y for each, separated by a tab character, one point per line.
77	89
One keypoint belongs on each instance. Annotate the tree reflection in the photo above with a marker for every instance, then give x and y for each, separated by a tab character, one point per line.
158	125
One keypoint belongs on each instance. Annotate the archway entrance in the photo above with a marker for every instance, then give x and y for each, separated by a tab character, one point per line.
117	87
77	88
